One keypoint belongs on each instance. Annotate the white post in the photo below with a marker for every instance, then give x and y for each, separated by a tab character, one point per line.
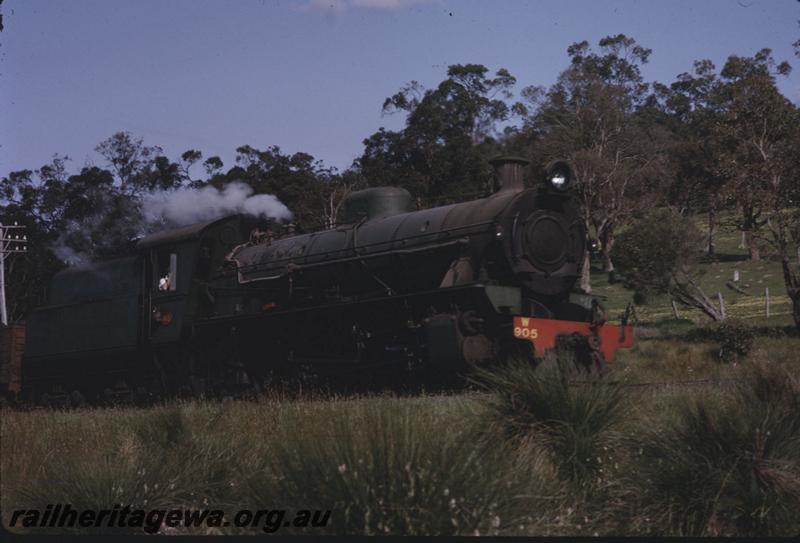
721	305
735	276
675	310
766	300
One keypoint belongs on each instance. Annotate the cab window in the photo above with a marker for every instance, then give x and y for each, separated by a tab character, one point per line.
166	270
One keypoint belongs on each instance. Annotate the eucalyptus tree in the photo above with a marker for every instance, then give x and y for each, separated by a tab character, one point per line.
592	117
694	102
298	180
138	167
756	133
450	132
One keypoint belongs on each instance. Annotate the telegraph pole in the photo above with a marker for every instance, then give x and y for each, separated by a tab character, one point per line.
12	240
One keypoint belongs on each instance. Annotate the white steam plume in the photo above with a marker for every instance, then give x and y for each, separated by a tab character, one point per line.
111	227
186	206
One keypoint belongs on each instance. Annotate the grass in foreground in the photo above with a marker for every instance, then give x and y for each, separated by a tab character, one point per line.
724	468
388	467
383	465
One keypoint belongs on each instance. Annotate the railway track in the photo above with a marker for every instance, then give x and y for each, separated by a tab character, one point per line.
667	385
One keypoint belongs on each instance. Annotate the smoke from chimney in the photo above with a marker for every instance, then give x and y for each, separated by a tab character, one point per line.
187	206
119	221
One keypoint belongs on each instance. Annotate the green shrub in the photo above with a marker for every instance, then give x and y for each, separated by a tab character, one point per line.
573	422
657	251
722	468
736	340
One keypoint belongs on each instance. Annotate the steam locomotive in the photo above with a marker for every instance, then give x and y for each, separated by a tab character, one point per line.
389	291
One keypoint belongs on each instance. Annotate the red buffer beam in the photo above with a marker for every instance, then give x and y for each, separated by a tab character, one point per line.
542	333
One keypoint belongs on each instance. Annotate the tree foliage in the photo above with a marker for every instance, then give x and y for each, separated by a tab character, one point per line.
693	107
441	154
757	131
297	180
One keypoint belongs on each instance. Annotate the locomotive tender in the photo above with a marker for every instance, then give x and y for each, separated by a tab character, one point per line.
208	308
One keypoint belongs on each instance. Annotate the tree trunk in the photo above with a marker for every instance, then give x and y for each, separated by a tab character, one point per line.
712	232
586	269
752	247
792	282
691	295
607	246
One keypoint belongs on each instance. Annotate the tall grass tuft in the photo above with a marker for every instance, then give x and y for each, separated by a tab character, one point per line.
573	421
726	467
388	466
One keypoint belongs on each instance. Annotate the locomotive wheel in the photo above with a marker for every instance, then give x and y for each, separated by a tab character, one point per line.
45	400
108	397
75	399
513	350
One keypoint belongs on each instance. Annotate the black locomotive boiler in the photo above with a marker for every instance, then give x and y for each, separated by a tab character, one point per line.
389	291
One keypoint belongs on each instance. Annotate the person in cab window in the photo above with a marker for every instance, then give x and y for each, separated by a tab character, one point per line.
164	282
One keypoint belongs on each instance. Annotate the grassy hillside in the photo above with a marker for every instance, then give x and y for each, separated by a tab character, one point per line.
754	277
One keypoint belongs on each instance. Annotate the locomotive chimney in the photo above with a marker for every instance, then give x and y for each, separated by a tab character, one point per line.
508	173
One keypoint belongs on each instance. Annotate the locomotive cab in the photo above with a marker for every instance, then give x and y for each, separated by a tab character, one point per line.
177	274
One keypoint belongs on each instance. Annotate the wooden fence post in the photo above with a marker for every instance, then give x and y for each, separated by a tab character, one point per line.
721	305
766	300
675	310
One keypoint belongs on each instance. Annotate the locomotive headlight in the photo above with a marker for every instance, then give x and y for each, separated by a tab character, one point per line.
559	181
559	176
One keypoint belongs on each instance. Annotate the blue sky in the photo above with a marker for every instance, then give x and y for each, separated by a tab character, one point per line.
312	75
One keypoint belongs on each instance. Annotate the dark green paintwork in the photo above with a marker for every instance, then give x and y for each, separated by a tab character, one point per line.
106	308
375	203
90	309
